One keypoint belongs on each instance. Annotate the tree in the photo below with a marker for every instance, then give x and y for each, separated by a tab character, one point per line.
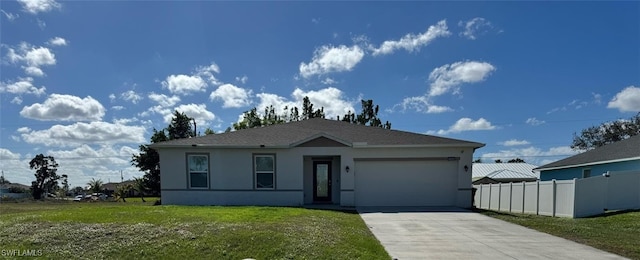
46	176
4	181
148	161
368	116
140	187
516	160
250	119
477	161
95	186
606	133
65	184
180	126
77	190
122	191
498	161
209	131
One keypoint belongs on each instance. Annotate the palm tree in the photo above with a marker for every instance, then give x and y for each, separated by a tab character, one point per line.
121	192
95	185
140	187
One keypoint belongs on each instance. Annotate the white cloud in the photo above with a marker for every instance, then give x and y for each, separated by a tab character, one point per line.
65	108
474	27
449	77
39	6
164	100
533	155
466	124
86	133
112	97
242	79
16	100
117	108
22	86
514	142
534	121
15	167
232	96
10	16
421	104
412	42
332	100
206	72
327	59
184	84
627	100
32	58
197	111
33	71
58	41
131	96
40	56
329	81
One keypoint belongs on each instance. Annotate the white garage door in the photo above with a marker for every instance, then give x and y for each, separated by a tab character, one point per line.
405	183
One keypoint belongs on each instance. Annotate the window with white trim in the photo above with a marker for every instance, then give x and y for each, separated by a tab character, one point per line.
264	167
198	171
586	173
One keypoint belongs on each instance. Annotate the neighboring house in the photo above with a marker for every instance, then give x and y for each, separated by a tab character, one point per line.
317	161
110	187
6	190
619	156
485	173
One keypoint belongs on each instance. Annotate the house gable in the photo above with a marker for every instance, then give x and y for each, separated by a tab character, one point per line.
321	141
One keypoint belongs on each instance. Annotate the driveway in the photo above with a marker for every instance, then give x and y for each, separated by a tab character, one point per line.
453	233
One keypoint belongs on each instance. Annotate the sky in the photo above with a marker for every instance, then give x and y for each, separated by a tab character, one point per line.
86	82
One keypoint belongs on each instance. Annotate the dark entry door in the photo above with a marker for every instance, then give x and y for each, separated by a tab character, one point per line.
322	181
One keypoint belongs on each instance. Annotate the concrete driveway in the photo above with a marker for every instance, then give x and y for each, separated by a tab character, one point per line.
452	233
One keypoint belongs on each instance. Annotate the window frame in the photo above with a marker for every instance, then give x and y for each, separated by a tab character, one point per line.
256	172
189	172
584	176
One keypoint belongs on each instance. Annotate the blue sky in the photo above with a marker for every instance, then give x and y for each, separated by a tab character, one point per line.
87	81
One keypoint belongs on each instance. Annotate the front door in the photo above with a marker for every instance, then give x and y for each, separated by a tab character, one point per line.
322	181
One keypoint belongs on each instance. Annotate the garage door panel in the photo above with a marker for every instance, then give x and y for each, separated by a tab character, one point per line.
405	183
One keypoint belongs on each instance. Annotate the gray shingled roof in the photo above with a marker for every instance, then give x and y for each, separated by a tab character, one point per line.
293	133
625	149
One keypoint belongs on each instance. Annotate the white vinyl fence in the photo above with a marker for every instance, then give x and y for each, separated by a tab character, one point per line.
567	198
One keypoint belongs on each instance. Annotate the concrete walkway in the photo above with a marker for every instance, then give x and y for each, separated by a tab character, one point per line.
452	233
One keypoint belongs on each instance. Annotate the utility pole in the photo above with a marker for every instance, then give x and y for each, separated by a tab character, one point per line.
121	177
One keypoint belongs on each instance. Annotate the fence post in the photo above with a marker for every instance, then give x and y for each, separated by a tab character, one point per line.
575	198
499	195
510	196
489	202
524	187
553	190
538	197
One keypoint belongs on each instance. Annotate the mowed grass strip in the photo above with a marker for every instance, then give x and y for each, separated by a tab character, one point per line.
141	231
616	232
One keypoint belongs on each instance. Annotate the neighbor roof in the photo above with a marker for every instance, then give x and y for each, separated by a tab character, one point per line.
503	170
628	149
295	133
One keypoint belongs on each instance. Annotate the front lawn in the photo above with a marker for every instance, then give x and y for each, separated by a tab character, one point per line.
138	230
616	232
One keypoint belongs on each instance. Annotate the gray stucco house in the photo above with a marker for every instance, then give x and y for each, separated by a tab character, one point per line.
317	161
619	156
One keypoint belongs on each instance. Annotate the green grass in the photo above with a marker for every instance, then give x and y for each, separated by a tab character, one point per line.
616	232
136	230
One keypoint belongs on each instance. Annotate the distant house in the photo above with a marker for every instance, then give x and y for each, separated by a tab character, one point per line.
110	187
485	173
619	156
317	161
7	189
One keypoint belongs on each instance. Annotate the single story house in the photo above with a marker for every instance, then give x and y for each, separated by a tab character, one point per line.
619	156
486	173
317	161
